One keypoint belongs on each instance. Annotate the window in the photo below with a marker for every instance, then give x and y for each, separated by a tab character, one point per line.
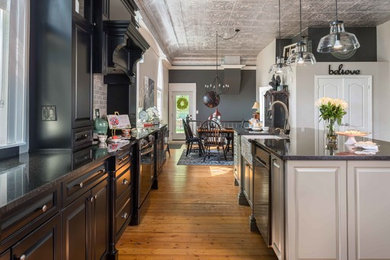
13	71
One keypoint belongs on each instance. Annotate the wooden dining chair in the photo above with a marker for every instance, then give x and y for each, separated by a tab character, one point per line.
212	136
191	139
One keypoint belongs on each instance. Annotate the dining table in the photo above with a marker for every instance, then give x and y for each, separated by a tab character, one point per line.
228	132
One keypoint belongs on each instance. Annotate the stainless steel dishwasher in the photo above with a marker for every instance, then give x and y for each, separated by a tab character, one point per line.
262	193
146	172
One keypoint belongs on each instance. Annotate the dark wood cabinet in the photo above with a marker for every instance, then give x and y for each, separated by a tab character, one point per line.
99	221
82	74
75	230
6	255
85	225
43	243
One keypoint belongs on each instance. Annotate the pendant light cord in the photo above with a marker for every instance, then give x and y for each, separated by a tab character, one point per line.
216	56
280	35
336	12
300	18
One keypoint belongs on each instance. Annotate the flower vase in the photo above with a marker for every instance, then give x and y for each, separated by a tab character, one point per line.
331	136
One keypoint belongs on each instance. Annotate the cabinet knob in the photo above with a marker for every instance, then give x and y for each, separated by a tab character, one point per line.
91	199
81	185
125	182
124	216
22	257
44	208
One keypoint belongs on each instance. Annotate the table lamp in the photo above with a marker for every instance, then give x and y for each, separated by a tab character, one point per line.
256	107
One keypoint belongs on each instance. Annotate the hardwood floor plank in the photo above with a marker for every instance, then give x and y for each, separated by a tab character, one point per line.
194	215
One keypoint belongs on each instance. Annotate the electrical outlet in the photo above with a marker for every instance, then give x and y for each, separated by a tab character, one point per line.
49	113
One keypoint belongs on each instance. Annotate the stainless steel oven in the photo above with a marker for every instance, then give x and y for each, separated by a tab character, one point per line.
262	193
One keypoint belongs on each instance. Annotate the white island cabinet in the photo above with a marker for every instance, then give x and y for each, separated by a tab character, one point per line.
337	210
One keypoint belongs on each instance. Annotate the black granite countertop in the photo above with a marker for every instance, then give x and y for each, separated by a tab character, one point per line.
29	174
303	145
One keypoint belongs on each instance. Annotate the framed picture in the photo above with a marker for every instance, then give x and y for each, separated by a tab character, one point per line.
288	50
118	121
148	94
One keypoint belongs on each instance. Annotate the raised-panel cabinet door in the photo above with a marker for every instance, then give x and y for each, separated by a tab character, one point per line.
43	243
6	255
82	75
277	196
316	210
100	220
75	229
368	210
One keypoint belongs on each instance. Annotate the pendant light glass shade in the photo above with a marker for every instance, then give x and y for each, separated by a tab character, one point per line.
338	40
280	67
301	56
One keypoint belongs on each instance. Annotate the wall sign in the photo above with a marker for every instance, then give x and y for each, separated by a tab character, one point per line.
340	71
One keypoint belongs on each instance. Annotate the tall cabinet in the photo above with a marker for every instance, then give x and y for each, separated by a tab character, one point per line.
61	84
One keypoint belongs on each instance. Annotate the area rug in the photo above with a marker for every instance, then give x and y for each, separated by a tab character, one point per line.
194	159
175	146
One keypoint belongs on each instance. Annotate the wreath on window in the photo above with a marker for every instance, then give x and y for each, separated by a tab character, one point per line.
182	103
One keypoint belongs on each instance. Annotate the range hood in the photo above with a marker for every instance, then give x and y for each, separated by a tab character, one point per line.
232	74
125	46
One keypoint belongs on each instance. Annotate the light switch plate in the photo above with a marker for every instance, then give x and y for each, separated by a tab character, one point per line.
49	113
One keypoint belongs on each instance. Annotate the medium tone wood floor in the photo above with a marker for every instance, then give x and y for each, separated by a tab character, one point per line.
193	215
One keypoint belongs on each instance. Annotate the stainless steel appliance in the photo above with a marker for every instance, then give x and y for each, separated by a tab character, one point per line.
262	193
146	170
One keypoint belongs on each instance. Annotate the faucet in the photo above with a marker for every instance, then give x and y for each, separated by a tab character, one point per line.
286	127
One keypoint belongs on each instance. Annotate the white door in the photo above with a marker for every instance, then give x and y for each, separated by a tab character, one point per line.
357	91
182	103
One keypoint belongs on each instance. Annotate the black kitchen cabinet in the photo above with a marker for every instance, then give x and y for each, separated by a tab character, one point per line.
61	45
43	243
85	225
75	229
6	255
82	74
99	221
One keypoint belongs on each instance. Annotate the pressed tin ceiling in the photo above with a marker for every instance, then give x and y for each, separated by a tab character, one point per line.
186	28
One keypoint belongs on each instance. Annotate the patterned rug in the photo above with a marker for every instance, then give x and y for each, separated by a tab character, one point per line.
175	146
194	159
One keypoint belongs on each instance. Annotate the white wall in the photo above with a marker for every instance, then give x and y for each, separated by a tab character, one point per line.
264	61
304	88
149	67
383	54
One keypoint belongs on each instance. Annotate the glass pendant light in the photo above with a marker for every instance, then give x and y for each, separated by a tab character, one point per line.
280	67
338	40
301	56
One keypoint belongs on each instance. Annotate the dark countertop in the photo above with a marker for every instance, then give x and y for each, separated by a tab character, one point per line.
302	145
29	174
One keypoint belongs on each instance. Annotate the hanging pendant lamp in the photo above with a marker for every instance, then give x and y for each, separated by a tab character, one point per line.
301	56
338	40
280	67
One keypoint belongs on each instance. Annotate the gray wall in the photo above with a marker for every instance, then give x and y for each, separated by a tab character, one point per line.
232	107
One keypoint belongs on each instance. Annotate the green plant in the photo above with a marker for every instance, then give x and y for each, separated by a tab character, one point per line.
332	110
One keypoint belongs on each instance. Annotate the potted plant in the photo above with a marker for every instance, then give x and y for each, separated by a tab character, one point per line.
332	111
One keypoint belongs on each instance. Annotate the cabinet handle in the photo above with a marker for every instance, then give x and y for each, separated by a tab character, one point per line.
95	197
44	208
22	257
80	185
125	182
275	164
123	158
124	216
91	199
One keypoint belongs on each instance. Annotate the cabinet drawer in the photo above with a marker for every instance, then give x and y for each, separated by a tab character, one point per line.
123	159
122	216
30	214
82	137
263	156
6	255
123	181
42	243
73	188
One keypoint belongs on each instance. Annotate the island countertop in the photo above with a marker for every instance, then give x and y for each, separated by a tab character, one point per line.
305	144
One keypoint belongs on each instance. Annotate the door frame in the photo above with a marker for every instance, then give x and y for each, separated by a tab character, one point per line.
180	87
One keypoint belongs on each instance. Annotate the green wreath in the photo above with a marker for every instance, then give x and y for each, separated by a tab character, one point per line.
182	103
